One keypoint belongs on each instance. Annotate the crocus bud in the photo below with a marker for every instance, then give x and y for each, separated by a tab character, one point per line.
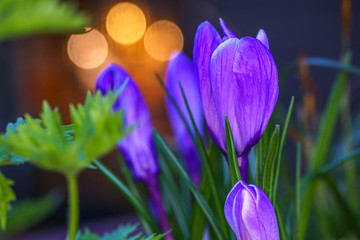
180	69
138	147
238	79
250	213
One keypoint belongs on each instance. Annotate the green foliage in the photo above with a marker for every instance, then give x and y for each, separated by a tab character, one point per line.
28	213
127	232
47	143
232	158
23	17
7	195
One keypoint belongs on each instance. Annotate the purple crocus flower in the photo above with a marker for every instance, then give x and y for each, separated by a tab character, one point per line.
250	213
237	79
138	147
180	69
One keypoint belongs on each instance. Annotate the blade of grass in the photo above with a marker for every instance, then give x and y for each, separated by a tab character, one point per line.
323	140
297	190
127	193
281	148
259	163
232	158
198	219
318	62
350	217
281	225
269	168
173	194
208	171
200	147
328	168
166	151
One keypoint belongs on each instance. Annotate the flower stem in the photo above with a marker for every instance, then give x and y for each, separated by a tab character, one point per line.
243	165
156	196
73	206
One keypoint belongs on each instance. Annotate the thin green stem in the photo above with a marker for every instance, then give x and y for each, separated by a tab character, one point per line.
73	206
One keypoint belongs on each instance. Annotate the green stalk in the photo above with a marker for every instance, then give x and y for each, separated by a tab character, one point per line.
73	206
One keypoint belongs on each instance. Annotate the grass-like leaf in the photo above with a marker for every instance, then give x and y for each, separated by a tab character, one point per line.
140	209
166	151
323	140
232	158
281	148
269	168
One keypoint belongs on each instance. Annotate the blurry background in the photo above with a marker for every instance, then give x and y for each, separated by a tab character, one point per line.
140	35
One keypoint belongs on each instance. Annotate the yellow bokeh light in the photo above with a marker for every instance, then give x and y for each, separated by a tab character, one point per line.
87	50
125	23
162	38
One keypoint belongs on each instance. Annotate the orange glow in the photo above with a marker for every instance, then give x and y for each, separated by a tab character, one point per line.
126	23
87	50
162	38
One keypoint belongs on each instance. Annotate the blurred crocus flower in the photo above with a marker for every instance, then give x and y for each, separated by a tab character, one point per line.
238	79
138	147
180	69
250	213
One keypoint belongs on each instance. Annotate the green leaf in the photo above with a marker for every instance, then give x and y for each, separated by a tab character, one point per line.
24	17
45	141
232	158
7	195
28	213
323	140
297	190
165	150
125	232
269	168
318	62
127	193
205	161
172	193
281	147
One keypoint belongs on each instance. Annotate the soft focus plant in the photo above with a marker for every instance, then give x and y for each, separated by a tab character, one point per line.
278	195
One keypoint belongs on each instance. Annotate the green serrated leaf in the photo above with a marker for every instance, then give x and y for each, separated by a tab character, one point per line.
68	149
7	195
123	232
23	17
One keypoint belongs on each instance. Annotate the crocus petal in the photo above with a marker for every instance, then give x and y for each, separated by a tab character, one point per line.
138	147
262	37
225	30
250	213
264	206
206	41
180	69
245	72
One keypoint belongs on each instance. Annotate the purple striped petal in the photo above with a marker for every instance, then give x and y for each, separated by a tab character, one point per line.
262	37
138	147
207	39
226	31
180	69
245	88
250	213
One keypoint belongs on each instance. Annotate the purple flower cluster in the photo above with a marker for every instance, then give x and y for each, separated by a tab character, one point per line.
229	77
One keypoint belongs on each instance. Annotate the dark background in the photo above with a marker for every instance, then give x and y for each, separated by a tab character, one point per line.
35	68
